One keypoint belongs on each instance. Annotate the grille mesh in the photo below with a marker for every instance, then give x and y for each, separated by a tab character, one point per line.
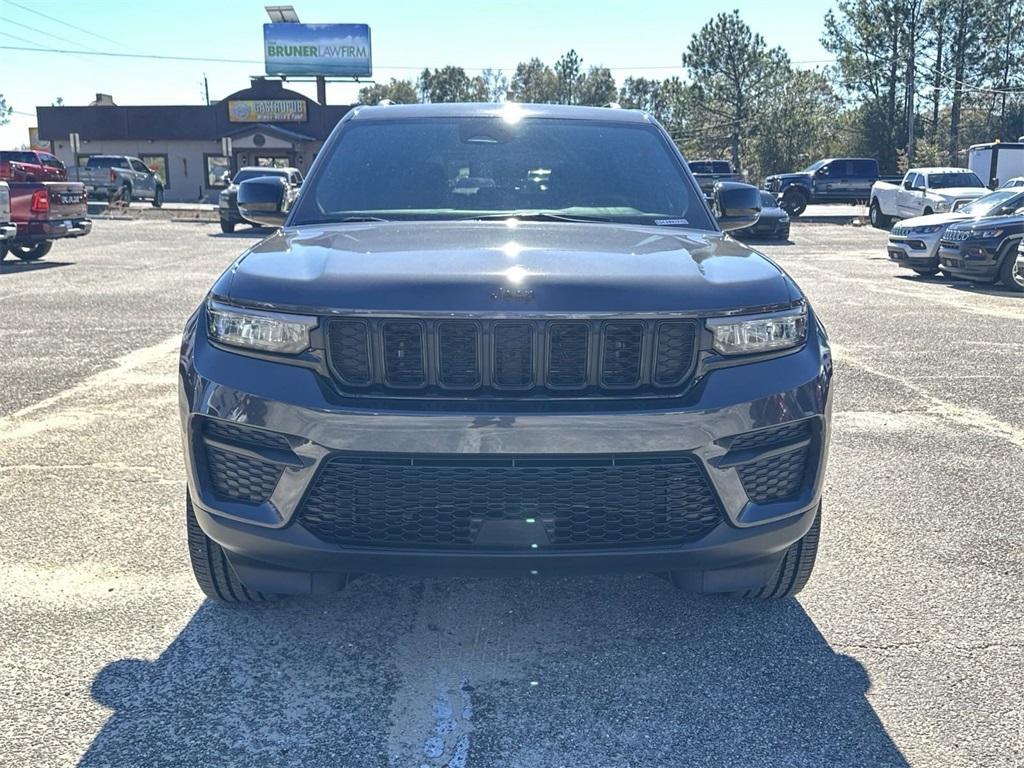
567	354
458	344
513	354
236	433
403	353
350	351
623	345
239	478
676	341
765	438
446	502
775	479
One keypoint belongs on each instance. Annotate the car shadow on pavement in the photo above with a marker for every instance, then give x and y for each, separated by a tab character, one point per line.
988	289
17	267
588	672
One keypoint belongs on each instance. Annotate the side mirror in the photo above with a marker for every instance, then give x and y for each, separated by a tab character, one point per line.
908	185
736	205
264	200
821	172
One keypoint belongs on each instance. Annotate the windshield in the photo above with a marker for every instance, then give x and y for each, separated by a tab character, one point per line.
256	173
952	180
995	201
815	166
106	162
467	167
768	200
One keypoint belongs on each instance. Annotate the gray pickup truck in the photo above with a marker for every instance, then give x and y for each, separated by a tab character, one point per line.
119	177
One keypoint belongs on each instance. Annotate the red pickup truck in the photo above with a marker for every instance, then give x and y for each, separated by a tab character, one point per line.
44	211
30	165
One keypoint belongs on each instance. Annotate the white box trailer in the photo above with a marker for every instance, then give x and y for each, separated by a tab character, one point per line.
997	162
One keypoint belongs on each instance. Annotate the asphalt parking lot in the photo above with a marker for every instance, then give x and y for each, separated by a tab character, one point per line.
905	649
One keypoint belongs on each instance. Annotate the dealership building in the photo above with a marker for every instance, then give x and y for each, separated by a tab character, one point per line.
196	149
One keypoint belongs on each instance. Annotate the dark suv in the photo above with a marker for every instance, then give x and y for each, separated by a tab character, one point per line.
502	339
985	250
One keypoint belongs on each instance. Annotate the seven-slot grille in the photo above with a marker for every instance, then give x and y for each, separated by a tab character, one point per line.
511	356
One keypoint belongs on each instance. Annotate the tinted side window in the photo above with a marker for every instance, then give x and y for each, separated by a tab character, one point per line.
863	169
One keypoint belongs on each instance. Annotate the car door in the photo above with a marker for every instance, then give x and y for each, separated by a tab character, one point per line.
861	179
143	180
823	182
906	196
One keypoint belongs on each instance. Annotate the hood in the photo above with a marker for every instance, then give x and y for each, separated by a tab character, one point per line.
993	222
786	176
932	219
503	267
961	193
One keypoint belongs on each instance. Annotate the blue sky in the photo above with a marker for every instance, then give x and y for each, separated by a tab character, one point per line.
639	39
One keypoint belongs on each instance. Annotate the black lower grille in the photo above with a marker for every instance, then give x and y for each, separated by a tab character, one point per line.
775	479
239	478
424	501
773	436
231	432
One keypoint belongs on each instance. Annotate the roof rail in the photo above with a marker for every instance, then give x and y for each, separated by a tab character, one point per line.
613	105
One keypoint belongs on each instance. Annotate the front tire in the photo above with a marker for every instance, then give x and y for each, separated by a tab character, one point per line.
794	570
210	565
227	227
927	272
794	201
1011	270
32	252
158	197
878	219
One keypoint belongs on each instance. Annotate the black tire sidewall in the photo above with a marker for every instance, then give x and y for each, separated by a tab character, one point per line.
1006	266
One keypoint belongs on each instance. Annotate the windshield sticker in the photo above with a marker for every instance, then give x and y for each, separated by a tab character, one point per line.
670	222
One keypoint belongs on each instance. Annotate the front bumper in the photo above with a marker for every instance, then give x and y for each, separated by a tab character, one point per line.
768	228
273	551
915	251
977	260
39	231
229	213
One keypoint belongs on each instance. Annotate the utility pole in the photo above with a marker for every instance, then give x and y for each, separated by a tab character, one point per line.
206	89
914	11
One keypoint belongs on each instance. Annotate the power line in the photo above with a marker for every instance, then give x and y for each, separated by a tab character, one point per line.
406	68
119	55
39	31
65	23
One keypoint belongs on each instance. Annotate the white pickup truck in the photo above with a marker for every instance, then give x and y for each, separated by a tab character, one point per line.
922	192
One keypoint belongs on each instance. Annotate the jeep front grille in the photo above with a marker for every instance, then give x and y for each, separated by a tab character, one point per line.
511	358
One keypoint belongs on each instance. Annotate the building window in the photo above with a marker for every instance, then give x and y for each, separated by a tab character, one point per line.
218	170
159	164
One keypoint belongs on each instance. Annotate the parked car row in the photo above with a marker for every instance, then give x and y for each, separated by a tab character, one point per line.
980	241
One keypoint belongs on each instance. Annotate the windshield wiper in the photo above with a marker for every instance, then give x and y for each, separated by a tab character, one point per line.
355	219
535	216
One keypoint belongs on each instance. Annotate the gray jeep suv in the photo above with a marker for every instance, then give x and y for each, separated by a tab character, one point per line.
502	339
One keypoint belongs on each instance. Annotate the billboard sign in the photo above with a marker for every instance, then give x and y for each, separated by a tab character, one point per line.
340	50
266	111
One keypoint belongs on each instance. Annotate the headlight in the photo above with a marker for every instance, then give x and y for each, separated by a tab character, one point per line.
941	205
255	329
759	333
985	234
925	230
784	219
